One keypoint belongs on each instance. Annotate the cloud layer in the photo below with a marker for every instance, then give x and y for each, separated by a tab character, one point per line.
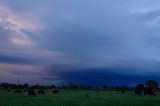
61	38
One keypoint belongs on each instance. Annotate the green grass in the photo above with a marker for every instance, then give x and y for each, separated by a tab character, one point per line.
78	98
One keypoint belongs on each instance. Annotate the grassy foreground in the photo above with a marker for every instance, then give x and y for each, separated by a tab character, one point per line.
78	98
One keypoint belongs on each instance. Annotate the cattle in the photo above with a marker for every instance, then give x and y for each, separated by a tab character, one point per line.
87	95
41	92
9	90
18	91
149	92
123	91
118	89
137	92
55	91
31	92
25	90
138	89
97	90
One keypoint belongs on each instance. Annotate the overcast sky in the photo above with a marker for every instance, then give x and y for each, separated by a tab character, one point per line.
81	41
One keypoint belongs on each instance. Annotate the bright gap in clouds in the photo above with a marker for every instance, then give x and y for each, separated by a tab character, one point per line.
15	27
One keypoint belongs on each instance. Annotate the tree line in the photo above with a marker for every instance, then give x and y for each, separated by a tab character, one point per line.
150	83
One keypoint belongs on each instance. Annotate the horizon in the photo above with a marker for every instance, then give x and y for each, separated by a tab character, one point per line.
85	42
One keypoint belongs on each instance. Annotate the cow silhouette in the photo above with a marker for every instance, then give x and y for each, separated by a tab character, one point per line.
31	92
137	92
123	91
55	91
149	92
17	91
41	92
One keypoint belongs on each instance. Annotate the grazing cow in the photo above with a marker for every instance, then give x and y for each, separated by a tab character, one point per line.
41	92
137	92
87	95
9	90
149	92
97	90
118	89
18	91
56	92
138	89
123	91
31	92
25	90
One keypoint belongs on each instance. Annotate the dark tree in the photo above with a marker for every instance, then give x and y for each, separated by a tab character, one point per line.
117	88
83	87
64	87
152	84
5	85
124	88
89	87
35	86
140	87
26	86
20	86
14	86
105	87
53	86
74	86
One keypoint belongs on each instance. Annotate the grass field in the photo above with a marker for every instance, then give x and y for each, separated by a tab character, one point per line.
78	98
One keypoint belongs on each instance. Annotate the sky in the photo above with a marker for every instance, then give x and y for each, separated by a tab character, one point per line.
81	41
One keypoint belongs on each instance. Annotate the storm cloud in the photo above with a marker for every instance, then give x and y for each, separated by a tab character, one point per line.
69	38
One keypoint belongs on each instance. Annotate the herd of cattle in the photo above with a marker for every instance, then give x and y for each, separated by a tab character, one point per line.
31	92
146	91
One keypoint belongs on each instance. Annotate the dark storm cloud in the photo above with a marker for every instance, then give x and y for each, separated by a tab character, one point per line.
135	72
102	76
17	60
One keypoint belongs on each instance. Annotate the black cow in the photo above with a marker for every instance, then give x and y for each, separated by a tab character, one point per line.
149	92
9	90
87	95
97	90
137	92
31	92
118	89
123	91
56	92
18	91
41	92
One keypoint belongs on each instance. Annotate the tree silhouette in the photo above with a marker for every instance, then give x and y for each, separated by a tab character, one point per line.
152	84
140	87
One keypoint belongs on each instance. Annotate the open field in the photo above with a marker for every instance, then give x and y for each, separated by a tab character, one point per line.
78	98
